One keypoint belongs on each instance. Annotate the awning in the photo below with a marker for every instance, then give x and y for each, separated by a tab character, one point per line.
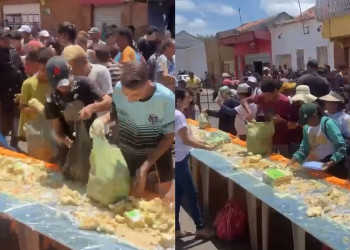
102	2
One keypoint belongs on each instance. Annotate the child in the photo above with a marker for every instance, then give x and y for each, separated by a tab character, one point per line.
243	92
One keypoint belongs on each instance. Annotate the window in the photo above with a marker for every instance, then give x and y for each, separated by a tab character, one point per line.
322	55
300	59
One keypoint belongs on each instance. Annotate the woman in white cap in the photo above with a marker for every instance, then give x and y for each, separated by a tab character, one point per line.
335	109
295	132
44	37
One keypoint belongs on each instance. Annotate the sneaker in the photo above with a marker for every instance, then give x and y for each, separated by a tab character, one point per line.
205	233
182	234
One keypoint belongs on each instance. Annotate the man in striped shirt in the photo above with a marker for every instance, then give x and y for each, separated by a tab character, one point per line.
103	57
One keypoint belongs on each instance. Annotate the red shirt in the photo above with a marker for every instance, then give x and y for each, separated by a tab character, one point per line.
227	82
280	107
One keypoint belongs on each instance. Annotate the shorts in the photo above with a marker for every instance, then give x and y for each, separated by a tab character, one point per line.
164	165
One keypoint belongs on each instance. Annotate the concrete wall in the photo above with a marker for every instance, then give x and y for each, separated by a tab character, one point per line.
293	38
192	59
217	56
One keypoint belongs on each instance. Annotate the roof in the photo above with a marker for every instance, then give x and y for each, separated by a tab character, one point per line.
306	15
184	40
261	24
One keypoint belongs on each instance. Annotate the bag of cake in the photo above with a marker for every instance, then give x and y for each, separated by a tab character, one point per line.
259	137
109	178
203	120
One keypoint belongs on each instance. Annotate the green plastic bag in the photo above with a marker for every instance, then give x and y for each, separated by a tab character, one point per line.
109	179
203	120
259	137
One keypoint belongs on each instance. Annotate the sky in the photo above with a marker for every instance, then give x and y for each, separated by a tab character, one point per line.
207	17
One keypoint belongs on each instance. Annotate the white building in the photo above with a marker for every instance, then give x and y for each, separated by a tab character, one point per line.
190	54
296	41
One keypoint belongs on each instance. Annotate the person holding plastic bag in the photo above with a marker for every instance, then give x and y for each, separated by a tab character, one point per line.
71	108
145	114
33	124
183	182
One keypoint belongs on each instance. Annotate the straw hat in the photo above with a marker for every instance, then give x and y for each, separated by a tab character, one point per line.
332	97
303	94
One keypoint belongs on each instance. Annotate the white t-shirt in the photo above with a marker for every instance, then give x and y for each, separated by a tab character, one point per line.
343	121
181	149
100	76
320	146
239	121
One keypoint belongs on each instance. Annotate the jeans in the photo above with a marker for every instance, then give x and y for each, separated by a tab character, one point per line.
184	186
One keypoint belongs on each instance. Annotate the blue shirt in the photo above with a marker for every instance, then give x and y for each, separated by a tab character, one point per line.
143	124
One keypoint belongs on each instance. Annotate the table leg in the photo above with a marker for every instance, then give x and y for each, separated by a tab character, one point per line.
298	237
205	178
231	189
265	225
28	238
253	228
195	169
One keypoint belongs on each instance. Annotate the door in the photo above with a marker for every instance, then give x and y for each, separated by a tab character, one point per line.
322	55
110	15
258	67
300	59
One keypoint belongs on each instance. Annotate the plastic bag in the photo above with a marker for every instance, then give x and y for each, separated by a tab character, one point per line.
231	223
259	137
41	140
77	165
109	179
203	120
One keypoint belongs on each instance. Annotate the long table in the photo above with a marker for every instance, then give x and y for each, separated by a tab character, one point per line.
331	233
48	221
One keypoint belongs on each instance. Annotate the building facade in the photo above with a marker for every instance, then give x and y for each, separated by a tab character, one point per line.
335	18
299	40
47	14
251	43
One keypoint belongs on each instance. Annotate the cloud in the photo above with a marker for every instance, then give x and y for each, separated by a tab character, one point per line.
185	5
220	9
273	7
195	26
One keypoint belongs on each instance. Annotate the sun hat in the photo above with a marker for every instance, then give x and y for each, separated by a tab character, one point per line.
266	69
57	72
303	94
306	111
25	28
332	97
73	52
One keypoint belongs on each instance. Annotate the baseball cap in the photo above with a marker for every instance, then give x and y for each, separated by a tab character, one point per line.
312	63
224	75
332	97
25	28
73	52
57	72
243	88
266	69
252	79
94	30
44	33
306	111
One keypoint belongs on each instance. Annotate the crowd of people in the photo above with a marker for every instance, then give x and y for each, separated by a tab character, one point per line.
310	112
73	75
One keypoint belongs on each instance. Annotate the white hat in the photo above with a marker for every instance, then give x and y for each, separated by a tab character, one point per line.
303	94
25	28
224	75
266	69
44	33
332	97
243	88
252	79
94	30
